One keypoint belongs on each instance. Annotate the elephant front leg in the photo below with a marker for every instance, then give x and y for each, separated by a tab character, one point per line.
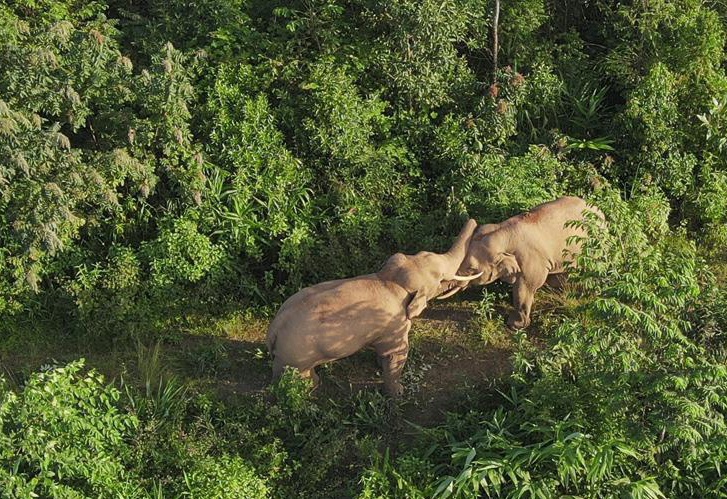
392	357
392	366
523	295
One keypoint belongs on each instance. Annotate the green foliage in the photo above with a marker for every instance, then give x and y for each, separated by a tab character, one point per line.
623	400
373	410
157	160
714	121
226	477
415	49
561	460
208	360
64	436
259	195
496	186
652	119
261	148
164	397
519	24
667	58
293	394
108	291
182	254
396	478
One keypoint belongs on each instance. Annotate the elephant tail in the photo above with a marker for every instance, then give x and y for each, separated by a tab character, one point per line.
272	336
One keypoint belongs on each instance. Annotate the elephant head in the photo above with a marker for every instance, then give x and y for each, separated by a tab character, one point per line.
486	258
427	275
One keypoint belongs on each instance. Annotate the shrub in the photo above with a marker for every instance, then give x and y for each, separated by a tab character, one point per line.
294	143
293	394
64	435
225	477
622	387
496	186
396	478
261	191
181	254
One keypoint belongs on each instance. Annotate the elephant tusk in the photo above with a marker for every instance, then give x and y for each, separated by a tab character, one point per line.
448	293
466	278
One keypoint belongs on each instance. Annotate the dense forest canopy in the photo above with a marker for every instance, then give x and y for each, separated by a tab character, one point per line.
246	148
158	157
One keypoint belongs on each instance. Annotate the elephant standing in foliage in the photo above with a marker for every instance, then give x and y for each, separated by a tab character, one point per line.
335	319
527	251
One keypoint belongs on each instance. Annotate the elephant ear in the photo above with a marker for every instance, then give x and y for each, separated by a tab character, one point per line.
417	305
508	268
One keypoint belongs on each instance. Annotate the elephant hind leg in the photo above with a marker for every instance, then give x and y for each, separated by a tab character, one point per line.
312	375
279	368
556	281
523	296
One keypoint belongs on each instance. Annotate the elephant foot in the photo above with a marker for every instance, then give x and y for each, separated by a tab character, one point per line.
516	321
311	375
394	389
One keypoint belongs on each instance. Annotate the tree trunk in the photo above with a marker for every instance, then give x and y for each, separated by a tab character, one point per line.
495	40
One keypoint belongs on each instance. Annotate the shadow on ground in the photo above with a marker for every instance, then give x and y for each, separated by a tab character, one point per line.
448	357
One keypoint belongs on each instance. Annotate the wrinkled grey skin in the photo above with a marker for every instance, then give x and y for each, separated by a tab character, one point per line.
527	251
335	319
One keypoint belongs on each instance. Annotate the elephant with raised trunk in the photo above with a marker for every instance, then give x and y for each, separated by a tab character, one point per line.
335	319
527	251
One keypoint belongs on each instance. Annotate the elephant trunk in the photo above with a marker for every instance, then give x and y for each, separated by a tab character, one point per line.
458	250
